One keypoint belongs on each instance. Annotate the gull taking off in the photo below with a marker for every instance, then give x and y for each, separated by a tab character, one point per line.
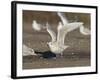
74	25
57	45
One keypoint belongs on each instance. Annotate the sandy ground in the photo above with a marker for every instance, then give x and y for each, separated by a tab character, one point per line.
32	62
78	54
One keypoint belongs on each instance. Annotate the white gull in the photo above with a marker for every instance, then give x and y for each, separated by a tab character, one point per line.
56	44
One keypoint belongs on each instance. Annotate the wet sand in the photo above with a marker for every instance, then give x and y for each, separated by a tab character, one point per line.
33	62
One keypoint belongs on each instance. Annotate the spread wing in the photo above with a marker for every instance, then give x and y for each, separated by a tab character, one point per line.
62	31
74	25
36	26
51	32
84	30
63	18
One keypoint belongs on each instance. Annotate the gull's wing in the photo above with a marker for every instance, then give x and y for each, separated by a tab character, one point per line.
72	26
27	51
61	34
36	26
84	30
63	18
51	32
64	29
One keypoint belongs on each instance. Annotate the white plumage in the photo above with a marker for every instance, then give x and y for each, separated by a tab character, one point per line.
63	18
74	25
57	43
51	32
27	51
84	30
36	26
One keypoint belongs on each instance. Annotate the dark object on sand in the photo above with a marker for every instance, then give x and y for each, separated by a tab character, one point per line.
46	54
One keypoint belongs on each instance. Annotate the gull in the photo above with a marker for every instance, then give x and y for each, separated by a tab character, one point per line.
74	25
57	44
27	51
36	26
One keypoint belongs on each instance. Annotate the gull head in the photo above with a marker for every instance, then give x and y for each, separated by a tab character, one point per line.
56	48
50	44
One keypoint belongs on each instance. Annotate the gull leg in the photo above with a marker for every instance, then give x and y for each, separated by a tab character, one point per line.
58	55
61	55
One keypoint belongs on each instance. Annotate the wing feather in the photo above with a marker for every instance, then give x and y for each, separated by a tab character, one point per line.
64	29
51	32
61	34
84	30
63	18
73	26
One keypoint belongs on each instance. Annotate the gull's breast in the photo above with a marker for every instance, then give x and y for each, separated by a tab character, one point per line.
57	49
